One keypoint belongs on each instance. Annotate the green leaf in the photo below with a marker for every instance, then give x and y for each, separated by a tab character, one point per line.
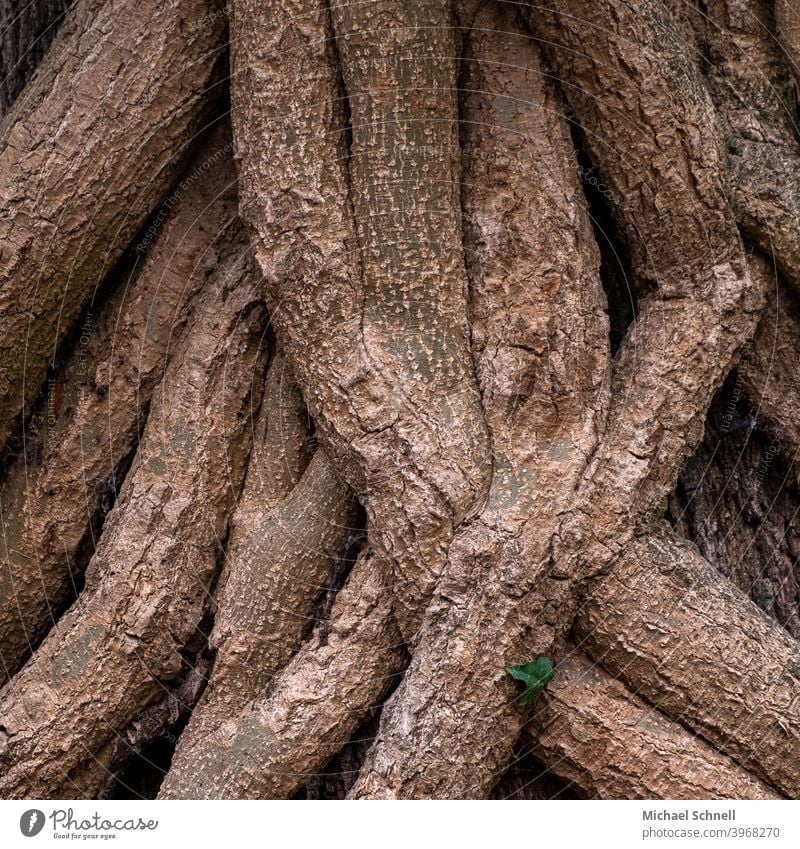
534	675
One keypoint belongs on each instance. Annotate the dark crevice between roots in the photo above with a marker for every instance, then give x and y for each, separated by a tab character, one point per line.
58	397
340	568
698	17
527	778
616	277
146	748
312	441
615	266
340	773
737	499
30	26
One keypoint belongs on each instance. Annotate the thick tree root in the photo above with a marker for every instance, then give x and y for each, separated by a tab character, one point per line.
277	565
105	771
748	76
535	326
147	582
676	765
312	707
379	344
90	420
669	366
770	377
71	200
593	732
482	552
665	623
787	22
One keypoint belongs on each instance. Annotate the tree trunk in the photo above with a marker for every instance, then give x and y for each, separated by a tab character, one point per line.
424	340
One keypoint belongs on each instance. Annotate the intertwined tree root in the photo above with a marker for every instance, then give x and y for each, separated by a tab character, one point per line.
411	263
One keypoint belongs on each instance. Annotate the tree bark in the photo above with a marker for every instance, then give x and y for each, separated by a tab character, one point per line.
82	166
312	707
707	308
409	437
748	77
277	565
390	371
72	463
597	735
662	622
148	580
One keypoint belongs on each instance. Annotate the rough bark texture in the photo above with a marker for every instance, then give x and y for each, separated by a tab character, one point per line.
312	706
535	328
71	464
132	758
738	496
748	77
770	376
447	203
282	551
148	579
87	150
737	500
666	624
706	308
787	23
592	732
375	327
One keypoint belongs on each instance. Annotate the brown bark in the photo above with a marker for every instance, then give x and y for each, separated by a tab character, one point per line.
738	502
148	579
770	376
787	23
82	165
71	465
665	623
541	345
738	495
748	76
666	372
106	772
628	749
280	555
431	266
385	370
594	733
312	706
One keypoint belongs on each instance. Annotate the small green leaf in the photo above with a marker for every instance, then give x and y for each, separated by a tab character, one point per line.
535	675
